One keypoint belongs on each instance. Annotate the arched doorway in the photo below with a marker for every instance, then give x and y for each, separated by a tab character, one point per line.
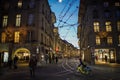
23	55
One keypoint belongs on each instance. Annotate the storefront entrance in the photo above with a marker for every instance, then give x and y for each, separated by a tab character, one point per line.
105	55
23	55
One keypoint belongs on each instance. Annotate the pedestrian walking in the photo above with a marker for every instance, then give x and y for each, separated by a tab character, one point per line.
32	65
56	59
15	60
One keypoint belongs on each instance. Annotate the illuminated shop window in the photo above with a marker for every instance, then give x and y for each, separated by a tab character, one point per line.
18	19
3	38
20	3
96	26
5	21
118	25
17	37
108	26
97	40
109	40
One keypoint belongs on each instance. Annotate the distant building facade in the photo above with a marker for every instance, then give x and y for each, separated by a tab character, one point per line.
26	27
99	30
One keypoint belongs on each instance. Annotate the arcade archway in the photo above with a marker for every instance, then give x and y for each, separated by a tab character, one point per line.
23	55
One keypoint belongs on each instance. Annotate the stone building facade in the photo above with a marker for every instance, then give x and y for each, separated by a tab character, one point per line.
99	30
26	28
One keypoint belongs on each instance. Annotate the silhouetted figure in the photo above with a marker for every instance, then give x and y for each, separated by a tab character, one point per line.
32	65
56	59
105	58
15	60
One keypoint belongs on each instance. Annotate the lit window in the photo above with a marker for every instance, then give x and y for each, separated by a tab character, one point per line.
118	25
97	40
18	19
3	38
20	3
109	40
96	26
119	38
17	37
108	26
5	21
117	3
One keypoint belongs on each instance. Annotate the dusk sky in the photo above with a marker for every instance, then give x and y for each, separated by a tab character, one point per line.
66	12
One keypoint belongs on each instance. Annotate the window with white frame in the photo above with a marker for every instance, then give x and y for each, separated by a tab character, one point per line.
108	26
20	3
18	19
109	40
5	21
96	26
97	40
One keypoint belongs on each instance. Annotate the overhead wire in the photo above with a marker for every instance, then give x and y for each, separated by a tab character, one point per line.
70	5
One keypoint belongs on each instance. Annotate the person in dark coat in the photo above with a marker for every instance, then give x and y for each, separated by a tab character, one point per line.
32	65
15	60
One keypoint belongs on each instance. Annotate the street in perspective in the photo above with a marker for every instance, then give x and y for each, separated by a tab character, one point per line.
59	39
63	70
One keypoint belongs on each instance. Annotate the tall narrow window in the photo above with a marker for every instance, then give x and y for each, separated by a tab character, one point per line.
5	21
32	4
30	19
96	26
95	14
119	39
118	25
109	40
108	26
18	19
20	3
97	40
3	38
17	37
106	4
